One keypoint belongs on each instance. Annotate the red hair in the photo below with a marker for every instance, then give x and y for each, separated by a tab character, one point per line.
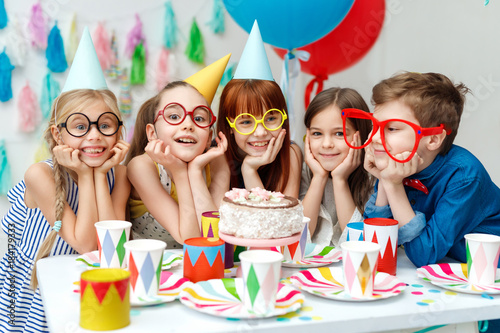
254	97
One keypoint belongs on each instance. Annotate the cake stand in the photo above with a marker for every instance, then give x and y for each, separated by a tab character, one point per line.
260	244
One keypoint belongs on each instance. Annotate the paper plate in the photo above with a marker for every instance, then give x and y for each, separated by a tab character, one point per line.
223	298
327	282
316	256
454	277
170	259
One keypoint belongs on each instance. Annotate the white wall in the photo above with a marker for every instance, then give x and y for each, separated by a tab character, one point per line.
456	37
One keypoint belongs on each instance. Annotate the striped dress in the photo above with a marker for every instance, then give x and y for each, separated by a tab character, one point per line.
21	309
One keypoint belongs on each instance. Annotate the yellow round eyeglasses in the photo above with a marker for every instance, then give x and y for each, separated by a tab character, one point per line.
246	123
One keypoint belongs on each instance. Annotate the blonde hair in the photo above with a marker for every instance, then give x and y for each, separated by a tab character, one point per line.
68	103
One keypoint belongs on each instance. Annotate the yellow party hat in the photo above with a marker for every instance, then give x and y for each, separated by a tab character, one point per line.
207	80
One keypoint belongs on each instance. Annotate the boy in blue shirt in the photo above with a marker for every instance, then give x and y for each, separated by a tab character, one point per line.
437	191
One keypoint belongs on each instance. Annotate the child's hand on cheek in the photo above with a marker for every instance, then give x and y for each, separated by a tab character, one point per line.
396	171
351	162
118	153
69	158
255	162
200	161
162	156
313	164
369	163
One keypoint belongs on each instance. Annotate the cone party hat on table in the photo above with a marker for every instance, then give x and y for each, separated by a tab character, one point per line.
207	80
253	62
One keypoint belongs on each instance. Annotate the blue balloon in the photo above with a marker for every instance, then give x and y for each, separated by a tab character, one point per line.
289	24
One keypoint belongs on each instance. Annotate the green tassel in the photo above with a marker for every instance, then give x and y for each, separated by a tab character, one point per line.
217	22
5	173
195	50
170	32
50	91
138	71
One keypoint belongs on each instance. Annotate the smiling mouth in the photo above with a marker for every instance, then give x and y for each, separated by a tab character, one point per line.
258	144
328	155
93	150
185	140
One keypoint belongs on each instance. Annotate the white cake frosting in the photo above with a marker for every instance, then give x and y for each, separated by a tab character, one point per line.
260	214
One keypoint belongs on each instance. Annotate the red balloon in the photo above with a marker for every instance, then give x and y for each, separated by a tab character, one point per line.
345	45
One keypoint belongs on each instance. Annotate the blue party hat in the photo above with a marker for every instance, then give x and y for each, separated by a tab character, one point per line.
253	62
86	71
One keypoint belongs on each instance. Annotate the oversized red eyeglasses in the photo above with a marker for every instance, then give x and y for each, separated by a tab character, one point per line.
391	130
175	113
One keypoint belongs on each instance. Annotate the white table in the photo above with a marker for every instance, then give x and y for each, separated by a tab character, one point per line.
401	313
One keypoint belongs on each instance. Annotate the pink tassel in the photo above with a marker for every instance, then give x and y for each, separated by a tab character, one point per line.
162	74
134	37
37	27
102	45
29	110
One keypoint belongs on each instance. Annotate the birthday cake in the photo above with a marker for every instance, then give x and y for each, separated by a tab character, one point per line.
260	214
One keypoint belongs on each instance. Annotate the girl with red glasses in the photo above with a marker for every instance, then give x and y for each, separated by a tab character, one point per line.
179	177
335	186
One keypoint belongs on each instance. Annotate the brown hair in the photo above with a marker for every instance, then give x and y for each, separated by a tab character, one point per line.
254	96
68	103
433	97
146	115
360	182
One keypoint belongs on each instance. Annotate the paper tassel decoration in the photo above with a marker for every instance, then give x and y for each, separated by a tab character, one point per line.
5	77
36	27
29	110
162	75
55	51
17	43
42	152
138	70
125	101
5	173
102	46
217	22
3	15
50	91
227	76
135	37
170	33
114	70
195	50
72	44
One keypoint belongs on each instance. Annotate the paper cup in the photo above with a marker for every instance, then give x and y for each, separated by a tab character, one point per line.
203	259
296	251
144	257
104	299
261	270
384	232
355	231
210	229
482	258
111	235
359	261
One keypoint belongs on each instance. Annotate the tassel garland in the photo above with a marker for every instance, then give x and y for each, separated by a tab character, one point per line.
3	15
195	50
114	70
125	98
138	71
170	32
50	91
73	41
217	22
42	152
55	51
5	77
162	76
29	110
5	173
36	27
135	37
102	46
17	43
227	76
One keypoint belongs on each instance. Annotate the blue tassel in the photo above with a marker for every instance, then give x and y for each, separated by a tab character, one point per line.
170	26
5	174
55	51
228	75
5	77
217	22
50	91
3	15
